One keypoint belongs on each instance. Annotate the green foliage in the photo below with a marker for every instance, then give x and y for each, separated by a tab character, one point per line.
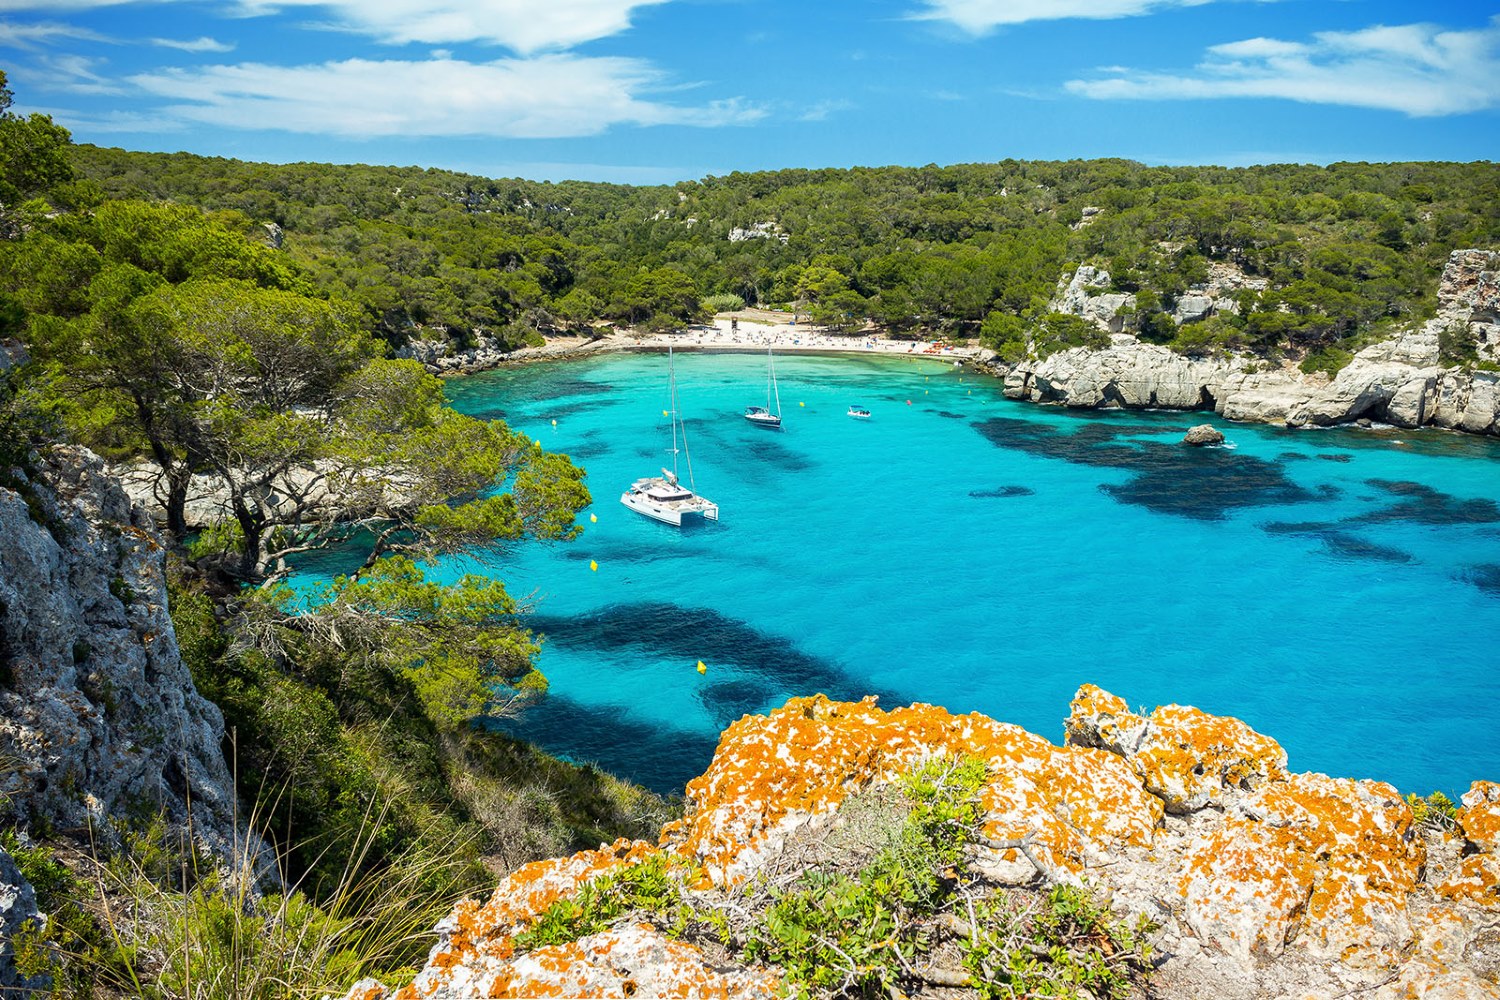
338	758
458	646
834	933
33	154
39	866
932	250
220	540
1328	360
1059	331
1065	944
654	885
1457	344
723	302
1435	812
29	950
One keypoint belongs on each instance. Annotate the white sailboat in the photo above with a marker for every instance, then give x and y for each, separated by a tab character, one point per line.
664	498
763	416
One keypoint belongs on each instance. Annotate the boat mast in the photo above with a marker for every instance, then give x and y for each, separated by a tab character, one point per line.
771	378
676	423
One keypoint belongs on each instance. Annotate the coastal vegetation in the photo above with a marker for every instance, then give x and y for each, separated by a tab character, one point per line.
237	327
967	251
157	333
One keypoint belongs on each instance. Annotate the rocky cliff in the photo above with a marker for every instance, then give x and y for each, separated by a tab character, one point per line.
1402	381
1260	882
99	717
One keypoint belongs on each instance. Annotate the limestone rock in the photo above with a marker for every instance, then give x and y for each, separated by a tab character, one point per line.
1203	434
1330	861
98	711
1127	373
1480	817
1191	307
1401	381
1264	883
1188	758
17	911
1084	295
476	957
777	773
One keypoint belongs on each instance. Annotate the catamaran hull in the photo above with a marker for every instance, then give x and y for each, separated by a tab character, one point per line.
667	513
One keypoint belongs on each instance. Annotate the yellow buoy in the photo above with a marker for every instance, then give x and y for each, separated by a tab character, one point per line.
594	566
702	667
665	413
801	404
554	423
594	518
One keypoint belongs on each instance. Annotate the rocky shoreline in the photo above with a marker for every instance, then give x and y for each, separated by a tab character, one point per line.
1398	382
1403	381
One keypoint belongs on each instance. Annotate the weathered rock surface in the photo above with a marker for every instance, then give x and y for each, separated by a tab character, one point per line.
17	912
1203	435
1083	295
1401	381
1265	883
99	716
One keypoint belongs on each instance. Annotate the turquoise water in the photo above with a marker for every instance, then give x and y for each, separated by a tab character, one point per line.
1339	590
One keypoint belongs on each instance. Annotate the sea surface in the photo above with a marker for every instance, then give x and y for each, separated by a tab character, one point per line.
1339	590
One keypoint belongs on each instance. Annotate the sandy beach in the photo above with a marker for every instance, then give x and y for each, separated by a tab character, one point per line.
731	333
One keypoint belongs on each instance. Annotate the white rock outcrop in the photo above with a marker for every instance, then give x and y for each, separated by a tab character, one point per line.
1083	295
1400	381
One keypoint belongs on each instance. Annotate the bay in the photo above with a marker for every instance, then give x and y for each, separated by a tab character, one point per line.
1339	590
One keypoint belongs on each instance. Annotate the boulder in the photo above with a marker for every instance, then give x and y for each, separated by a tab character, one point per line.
1187	758
1128	373
1203	434
1192	307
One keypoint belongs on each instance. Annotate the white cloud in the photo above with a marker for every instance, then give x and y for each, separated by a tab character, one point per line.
204	44
554	96
823	110
980	16
526	26
1418	69
60	6
29	36
71	73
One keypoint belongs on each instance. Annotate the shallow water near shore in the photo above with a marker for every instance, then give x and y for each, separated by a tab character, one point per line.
1338	590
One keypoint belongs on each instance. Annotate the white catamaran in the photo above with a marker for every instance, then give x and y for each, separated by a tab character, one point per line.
764	416
664	498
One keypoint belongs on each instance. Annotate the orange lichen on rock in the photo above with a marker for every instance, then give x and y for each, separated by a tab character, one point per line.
772	774
1477	881
1188	758
476	939
1480	816
635	961
1328	860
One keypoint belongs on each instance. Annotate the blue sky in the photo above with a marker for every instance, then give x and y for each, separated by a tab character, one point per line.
654	91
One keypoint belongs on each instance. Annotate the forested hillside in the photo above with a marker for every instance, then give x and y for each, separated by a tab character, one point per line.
962	251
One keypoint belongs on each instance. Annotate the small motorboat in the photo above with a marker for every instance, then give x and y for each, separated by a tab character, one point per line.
859	411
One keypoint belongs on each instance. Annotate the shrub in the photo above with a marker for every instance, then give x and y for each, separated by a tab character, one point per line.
723	302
